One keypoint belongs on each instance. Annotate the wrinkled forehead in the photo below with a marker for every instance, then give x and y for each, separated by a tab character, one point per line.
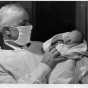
14	21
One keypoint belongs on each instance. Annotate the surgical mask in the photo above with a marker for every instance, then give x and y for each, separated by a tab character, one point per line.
23	36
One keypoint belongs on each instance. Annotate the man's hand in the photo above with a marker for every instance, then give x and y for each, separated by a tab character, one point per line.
50	56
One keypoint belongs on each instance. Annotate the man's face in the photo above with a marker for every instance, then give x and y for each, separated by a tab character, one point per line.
20	35
14	17
11	30
17	28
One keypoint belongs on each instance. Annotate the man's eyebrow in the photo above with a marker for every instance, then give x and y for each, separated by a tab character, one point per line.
23	23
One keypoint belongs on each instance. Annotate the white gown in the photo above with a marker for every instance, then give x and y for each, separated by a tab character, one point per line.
16	65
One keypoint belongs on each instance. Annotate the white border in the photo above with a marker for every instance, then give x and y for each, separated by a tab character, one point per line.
43	86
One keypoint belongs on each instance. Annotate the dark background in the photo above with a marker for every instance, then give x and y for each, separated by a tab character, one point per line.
53	17
48	17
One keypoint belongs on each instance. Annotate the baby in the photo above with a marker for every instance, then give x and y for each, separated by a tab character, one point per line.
65	41
70	46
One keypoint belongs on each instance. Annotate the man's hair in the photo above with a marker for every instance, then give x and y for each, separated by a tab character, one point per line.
11	8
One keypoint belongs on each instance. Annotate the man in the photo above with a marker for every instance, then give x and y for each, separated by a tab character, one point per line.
15	32
21	60
9	18
18	55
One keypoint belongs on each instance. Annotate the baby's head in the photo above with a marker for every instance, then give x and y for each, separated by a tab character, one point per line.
74	36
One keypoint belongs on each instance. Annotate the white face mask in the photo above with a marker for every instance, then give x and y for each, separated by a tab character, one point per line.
24	34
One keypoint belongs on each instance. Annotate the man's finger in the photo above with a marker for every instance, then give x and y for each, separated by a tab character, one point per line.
56	54
53	50
52	47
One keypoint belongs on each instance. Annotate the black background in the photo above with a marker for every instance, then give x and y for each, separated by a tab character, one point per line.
52	18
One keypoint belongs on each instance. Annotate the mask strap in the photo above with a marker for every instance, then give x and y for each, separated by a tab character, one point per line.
14	45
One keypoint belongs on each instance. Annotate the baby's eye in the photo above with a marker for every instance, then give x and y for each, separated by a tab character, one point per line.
56	42
68	41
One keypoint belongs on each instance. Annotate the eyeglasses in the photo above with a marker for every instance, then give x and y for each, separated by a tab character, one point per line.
24	23
10	32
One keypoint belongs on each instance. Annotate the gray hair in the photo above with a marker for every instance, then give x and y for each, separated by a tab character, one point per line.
11	10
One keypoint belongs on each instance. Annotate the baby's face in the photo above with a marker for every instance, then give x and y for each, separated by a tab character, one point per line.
71	38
